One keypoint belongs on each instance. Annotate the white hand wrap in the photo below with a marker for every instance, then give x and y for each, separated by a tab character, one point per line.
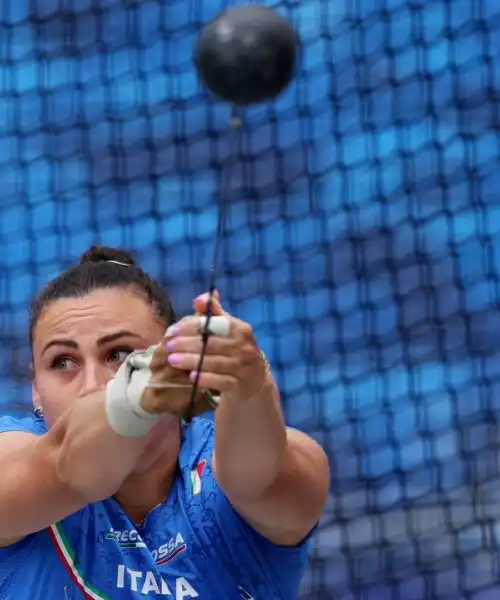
124	393
218	325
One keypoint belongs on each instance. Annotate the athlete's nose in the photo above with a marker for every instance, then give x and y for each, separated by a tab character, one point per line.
94	378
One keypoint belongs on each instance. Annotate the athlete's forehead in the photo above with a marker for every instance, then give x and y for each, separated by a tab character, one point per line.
104	312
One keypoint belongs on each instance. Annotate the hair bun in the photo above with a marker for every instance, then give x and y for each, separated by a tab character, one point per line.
98	254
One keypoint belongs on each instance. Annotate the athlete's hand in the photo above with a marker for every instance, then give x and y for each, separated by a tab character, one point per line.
233	365
169	389
146	382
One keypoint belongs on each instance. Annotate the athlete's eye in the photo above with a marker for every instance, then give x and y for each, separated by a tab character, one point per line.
62	363
118	355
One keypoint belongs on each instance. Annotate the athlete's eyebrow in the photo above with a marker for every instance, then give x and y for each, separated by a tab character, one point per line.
105	339
113	337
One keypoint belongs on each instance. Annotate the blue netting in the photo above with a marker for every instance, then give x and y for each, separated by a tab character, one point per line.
364	243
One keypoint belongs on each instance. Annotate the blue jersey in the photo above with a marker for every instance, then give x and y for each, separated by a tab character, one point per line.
193	545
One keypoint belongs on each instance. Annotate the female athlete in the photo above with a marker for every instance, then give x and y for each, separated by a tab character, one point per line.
106	493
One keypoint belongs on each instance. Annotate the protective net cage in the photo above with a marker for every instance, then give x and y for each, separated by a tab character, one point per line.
363	243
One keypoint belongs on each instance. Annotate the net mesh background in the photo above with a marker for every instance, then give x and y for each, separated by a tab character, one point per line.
363	246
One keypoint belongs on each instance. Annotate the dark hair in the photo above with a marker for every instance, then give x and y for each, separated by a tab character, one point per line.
101	268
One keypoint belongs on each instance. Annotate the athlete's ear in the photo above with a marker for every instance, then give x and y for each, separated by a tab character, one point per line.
35	395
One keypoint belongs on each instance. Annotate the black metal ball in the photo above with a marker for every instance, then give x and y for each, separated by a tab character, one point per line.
247	55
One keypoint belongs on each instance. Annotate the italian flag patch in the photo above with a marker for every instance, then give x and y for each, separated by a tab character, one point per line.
196	475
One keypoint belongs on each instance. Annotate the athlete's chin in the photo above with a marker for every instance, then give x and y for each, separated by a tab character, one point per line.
163	444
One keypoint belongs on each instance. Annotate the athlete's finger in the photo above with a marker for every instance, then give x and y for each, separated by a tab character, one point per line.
200	304
194	345
218	325
221	365
214	381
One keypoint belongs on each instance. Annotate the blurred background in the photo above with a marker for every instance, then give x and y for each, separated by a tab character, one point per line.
364	243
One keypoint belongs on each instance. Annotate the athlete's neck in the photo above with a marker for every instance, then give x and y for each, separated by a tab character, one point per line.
153	477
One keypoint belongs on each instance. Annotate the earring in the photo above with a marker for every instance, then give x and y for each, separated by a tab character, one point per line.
38	412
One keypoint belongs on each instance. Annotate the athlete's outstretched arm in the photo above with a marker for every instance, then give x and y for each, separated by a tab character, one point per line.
46	478
278	479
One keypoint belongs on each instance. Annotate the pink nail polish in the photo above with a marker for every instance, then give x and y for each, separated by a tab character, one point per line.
172	331
174	359
170	345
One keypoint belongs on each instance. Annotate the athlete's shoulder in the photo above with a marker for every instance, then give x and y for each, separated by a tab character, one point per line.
28	423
